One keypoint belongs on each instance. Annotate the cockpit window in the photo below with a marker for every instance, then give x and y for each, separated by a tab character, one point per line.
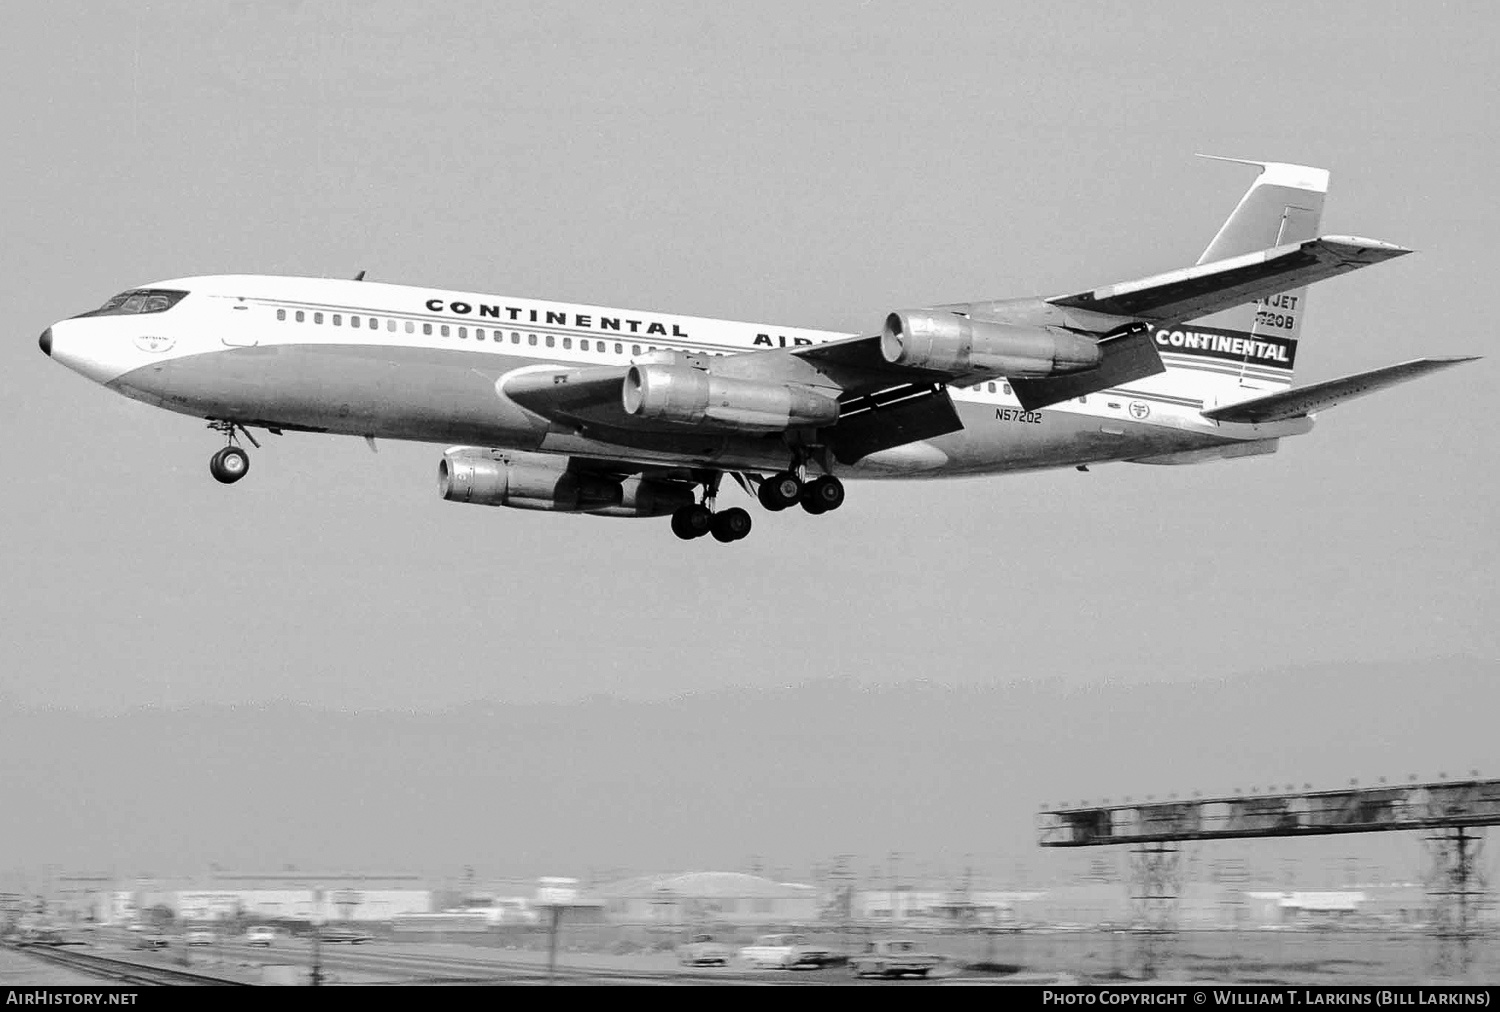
136	301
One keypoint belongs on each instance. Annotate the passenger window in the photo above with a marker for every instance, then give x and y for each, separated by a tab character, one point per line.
619	348
390	325
531	339
992	388
281	314
427	329
410	327
374	323
1005	387
463	332
515	338
317	317
353	321
635	349
338	321
300	317
567	342
444	330
479	333
1083	399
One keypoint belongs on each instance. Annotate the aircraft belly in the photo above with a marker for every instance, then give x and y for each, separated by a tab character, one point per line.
999	438
418	394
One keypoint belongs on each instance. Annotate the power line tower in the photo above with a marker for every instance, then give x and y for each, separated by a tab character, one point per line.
1155	885
841	881
1232	876
1457	884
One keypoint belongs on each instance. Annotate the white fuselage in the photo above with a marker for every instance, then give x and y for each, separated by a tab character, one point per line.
398	362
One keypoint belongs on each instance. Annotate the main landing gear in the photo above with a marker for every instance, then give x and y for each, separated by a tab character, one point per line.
783	490
701	518
776	493
231	463
697	520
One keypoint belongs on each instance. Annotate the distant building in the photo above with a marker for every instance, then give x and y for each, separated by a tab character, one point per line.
1304	908
708	897
296	896
940	906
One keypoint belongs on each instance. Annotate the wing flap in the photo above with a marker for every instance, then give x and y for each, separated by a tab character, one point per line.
892	417
1127	358
1302	401
1207	288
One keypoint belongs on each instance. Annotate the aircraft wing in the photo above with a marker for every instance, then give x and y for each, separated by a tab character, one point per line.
1300	401
880	406
1207	288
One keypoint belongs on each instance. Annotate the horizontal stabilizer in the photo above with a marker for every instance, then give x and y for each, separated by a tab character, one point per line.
1208	288
1302	401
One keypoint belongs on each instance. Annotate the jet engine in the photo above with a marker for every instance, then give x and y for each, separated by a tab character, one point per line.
956	345
530	481
692	396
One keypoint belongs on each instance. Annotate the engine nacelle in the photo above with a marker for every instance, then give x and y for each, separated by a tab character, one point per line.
537	482
525	481
649	497
694	397
957	345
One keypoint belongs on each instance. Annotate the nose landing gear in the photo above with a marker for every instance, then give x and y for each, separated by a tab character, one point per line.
231	463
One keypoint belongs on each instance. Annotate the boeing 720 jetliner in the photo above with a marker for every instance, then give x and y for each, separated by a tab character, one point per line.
618	413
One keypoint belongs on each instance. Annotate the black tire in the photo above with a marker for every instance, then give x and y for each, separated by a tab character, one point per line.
810	501
229	465
828	492
696	520
731	525
780	491
679	524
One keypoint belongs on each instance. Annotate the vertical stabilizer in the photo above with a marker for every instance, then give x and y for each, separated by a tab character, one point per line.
1283	205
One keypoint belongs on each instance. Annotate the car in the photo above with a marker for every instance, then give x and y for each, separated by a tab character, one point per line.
260	935
784	952
894	957
348	935
149	939
201	936
703	950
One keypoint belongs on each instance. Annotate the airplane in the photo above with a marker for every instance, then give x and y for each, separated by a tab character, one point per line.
621	413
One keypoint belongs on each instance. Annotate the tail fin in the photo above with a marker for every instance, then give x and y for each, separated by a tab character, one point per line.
1283	205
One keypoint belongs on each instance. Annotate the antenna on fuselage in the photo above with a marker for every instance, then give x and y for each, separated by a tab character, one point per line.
360	276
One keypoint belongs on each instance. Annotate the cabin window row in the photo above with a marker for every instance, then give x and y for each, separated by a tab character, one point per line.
445	330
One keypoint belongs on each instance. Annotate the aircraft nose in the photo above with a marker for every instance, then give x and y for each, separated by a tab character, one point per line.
45	341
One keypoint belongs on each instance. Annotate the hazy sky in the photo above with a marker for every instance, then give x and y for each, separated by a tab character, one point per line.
815	165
